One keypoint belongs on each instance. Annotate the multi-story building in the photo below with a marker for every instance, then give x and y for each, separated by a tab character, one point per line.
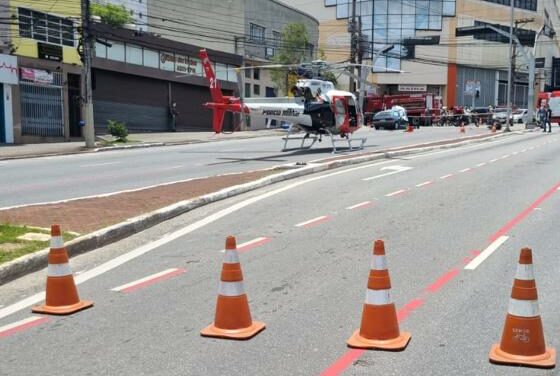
138	10
45	104
457	64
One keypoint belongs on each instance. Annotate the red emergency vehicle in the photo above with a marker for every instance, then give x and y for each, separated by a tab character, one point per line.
551	98
414	104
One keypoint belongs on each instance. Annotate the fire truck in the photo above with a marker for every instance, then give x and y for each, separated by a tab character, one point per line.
551	98
414	104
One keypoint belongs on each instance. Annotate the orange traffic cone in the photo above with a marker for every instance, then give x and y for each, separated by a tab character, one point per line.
379	328
409	128
233	317
462	129
523	338
62	295
494	128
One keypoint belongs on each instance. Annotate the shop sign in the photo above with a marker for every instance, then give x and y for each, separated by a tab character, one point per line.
49	51
413	88
37	75
8	69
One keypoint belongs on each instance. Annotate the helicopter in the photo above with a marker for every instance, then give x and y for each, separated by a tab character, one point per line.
317	108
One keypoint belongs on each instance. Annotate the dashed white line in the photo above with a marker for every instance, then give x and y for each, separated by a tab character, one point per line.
424	183
313	221
515	153
172	168
250	244
466	169
99	164
481	164
148	280
446	176
493	160
395	193
505	156
360	205
486	253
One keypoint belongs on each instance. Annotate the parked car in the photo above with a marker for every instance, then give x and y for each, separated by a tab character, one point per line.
500	115
519	116
394	118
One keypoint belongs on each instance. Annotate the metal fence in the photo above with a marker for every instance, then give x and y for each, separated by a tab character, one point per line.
42	108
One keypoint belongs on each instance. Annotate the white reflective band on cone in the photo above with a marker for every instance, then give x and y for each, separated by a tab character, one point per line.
231	288
57	242
525	272
378	297
231	257
523	308
59	270
379	262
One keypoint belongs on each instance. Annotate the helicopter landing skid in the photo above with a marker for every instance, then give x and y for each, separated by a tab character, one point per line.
349	140
302	138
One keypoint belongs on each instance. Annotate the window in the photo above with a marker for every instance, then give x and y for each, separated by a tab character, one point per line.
116	51
140	15
133	54
330	3
167	61
151	59
526	37
276	38
257	89
221	71
256	74
247	93
100	50
257	33
247	73
521	4
46	28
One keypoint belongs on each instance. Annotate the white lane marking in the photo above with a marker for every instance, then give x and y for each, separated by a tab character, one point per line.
242	246
446	176
99	164
505	156
122	259
523	151
424	183
321	218
360	205
515	153
466	169
486	253
172	168
481	164
395	193
396	170
146	279
493	160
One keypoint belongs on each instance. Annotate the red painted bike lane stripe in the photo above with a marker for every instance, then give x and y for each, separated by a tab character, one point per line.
22	325
521	216
353	354
149	280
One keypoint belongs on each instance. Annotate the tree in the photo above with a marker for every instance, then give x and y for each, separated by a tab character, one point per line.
114	15
294	43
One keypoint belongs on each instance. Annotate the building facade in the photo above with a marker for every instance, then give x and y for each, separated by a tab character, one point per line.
457	64
45	101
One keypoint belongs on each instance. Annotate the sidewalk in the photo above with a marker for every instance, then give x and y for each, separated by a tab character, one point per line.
139	140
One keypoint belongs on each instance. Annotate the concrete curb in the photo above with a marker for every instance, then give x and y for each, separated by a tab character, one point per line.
38	260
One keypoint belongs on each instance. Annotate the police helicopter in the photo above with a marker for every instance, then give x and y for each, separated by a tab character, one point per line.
317	108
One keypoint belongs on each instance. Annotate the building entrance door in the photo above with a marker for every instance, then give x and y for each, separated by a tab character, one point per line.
74	105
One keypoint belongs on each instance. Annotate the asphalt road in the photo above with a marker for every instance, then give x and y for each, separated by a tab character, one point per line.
307	283
64	177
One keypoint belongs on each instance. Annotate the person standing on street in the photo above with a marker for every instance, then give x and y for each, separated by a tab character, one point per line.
427	118
173	116
541	115
548	119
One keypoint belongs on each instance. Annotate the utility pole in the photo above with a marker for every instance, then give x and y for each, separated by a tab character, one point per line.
353	46
514	54
87	97
510	50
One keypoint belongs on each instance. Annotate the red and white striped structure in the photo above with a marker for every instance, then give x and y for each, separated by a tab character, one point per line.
61	293
523	336
379	328
233	317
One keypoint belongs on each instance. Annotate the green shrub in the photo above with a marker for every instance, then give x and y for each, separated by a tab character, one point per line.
117	129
